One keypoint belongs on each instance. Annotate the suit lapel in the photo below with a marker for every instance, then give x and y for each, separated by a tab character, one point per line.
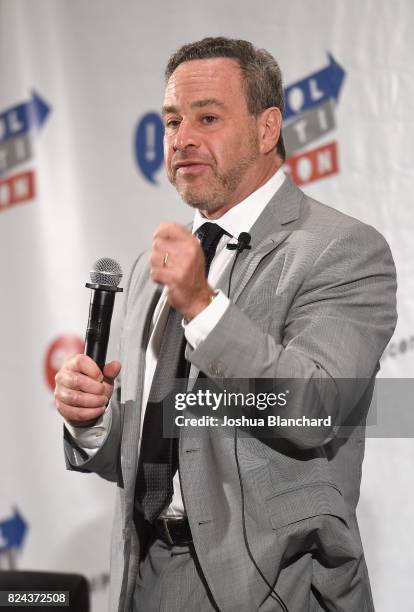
138	334
270	230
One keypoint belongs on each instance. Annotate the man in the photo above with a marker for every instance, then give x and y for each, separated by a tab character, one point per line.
245	523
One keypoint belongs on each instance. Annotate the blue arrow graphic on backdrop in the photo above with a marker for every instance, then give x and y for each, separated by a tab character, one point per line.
23	118
314	89
12	532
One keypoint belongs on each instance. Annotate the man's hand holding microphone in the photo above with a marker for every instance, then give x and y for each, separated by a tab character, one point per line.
82	391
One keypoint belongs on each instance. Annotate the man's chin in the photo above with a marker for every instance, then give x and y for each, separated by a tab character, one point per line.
199	198
201	204
196	199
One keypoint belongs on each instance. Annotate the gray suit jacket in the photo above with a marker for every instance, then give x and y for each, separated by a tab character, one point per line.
314	299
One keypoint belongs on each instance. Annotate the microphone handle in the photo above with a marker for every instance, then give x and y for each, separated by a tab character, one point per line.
99	324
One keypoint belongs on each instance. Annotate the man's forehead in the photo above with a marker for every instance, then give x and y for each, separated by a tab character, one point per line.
205	73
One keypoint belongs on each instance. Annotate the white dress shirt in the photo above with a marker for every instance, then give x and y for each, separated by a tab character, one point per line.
238	219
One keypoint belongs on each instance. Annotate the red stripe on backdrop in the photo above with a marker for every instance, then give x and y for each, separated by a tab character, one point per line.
17	189
313	165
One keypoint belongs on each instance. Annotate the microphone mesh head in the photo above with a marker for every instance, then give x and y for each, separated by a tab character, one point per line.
106	271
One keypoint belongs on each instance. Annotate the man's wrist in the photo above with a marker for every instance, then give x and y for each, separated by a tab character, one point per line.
200	305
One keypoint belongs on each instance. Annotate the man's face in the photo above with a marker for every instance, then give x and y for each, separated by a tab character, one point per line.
211	141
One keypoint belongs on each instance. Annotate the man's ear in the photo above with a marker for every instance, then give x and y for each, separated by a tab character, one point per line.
270	125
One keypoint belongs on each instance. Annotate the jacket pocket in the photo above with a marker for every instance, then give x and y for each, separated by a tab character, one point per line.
312	527
311	500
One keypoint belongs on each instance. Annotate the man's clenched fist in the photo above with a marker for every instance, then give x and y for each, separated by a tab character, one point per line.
177	261
82	392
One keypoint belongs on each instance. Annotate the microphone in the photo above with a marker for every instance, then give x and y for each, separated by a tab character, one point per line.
243	242
105	276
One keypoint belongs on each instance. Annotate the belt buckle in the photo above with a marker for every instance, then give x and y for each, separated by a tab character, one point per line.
167	531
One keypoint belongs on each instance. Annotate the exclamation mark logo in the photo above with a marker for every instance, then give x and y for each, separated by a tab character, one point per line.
150	153
149	146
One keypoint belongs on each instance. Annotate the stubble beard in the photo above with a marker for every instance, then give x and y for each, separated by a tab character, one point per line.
217	194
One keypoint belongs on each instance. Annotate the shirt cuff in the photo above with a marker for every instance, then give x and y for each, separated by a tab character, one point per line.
90	439
199	328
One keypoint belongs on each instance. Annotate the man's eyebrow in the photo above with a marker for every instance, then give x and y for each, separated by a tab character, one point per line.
170	108
207	102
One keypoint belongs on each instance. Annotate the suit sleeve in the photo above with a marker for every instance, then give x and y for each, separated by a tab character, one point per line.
105	461
334	332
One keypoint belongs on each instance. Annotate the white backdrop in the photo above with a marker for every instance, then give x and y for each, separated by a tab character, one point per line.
81	177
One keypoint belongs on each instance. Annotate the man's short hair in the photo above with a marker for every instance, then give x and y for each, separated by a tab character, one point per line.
262	75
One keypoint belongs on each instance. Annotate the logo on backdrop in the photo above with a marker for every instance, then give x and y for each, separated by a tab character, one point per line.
18	124
60	349
13	529
149	152
309	117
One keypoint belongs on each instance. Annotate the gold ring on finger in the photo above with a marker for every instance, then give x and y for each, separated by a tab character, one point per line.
164	261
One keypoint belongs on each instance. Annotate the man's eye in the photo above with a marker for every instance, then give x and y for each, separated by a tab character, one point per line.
172	123
209	119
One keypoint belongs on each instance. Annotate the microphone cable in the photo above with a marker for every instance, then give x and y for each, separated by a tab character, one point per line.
243	242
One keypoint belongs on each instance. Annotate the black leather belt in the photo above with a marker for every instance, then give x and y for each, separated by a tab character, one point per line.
173	531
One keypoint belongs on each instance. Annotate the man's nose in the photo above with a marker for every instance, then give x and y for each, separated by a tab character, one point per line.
185	136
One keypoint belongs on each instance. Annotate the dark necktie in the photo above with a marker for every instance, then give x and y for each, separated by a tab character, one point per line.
159	446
